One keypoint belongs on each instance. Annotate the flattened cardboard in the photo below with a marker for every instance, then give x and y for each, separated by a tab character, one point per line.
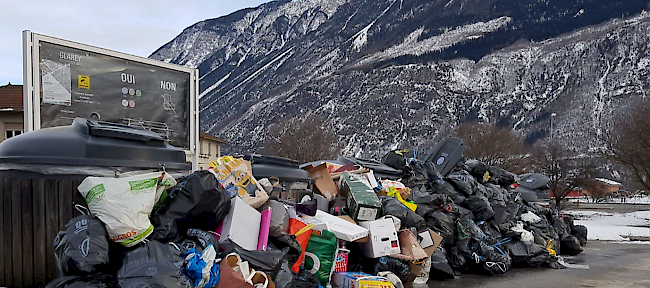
410	247
430	241
324	182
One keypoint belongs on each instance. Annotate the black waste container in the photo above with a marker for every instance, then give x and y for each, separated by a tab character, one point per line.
39	175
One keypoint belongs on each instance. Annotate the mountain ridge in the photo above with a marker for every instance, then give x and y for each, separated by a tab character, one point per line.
413	81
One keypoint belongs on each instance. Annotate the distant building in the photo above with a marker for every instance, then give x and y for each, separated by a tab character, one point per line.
209	149
11	111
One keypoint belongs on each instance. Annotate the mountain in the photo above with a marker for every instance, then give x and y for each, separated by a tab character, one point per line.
396	73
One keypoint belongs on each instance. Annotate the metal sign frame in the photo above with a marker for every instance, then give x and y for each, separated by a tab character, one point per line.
31	83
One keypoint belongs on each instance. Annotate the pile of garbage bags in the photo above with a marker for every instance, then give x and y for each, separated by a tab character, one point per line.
259	221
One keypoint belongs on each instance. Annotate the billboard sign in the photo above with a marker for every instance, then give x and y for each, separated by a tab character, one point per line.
64	80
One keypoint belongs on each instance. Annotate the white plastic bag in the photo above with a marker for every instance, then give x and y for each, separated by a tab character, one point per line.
530	217
124	204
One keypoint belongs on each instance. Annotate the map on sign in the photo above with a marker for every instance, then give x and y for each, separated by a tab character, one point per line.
78	83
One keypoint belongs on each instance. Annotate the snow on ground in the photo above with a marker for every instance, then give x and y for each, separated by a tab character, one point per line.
613	226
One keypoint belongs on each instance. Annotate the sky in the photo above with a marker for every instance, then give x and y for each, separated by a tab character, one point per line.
136	27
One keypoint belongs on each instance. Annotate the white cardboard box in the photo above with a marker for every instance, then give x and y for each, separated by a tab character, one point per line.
343	230
242	225
383	238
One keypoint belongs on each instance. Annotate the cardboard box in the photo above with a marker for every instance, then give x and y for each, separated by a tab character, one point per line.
324	182
242	225
359	280
410	247
383	238
363	203
344	230
430	241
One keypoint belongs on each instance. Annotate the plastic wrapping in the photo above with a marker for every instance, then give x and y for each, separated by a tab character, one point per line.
463	182
82	247
320	255
125	204
139	269
392	206
397	266
197	201
443	224
88	281
480	207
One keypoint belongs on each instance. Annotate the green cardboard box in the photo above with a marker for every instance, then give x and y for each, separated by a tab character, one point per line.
362	201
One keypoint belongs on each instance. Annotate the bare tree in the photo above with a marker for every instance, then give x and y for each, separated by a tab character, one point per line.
597	190
629	142
496	146
303	139
566	174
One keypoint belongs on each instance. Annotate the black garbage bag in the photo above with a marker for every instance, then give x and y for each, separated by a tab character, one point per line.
154	265
418	174
580	232
478	169
440	268
480	207
82	247
496	195
288	244
569	220
446	188
305	279
501	177
461	212
456	259
491	230
570	245
198	239
443	224
285	277
467	233
400	268
392	206
541	258
197	201
98	280
397	159
463	181
269	261
492	259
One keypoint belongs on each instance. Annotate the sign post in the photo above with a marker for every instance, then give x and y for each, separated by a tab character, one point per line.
64	80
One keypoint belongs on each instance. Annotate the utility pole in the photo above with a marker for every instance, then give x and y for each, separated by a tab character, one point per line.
552	116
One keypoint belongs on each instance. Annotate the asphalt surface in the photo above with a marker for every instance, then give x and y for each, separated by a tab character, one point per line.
610	265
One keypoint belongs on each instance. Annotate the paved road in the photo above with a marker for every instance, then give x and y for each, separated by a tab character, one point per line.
611	265
611	207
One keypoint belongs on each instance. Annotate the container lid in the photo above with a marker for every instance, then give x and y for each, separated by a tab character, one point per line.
93	143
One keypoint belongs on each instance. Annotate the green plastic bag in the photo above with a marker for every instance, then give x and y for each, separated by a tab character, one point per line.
320	255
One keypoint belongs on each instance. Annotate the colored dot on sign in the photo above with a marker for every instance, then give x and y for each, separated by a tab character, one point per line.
131	91
138	93
125	90
132	104
125	102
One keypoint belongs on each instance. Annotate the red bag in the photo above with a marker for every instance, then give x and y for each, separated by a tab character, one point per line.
302	232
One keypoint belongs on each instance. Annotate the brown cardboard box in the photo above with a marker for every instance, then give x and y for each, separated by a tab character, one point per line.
411	249
324	182
430	242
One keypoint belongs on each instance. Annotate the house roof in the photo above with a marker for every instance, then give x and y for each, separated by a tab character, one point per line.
11	98
609	182
210	137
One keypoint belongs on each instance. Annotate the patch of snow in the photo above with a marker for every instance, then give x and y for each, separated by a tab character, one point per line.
411	45
613	226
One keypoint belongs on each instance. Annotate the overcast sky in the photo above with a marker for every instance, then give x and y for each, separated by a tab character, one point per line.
137	27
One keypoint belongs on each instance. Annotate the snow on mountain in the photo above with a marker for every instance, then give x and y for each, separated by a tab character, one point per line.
393	73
